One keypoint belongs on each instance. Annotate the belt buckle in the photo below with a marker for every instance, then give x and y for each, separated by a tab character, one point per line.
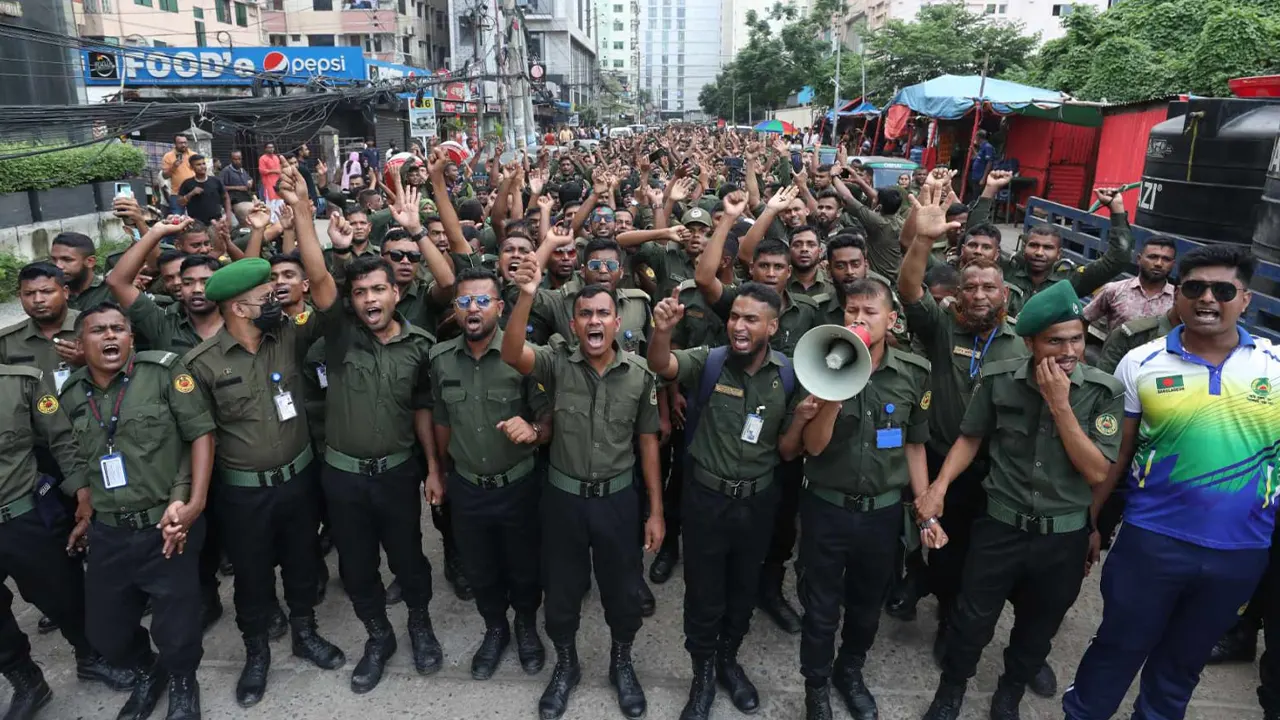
5	514
132	520
276	477
374	466
593	490
489	482
737	489
857	503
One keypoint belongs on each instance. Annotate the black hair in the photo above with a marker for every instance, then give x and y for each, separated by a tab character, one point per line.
367	265
1230	256
469	233
570	192
985	230
725	189
169	256
824	168
596	245
42	269
825	194
104	306
471	209
473	274
194	261
355	210
1161	241
731	246
196	157
76	241
397	234
195	228
718	207
868	287
763	293
591	291
890	200
943	274
956	210
793	232
519	228
290	257
431	219
771	246
1046	230
366	193
846	240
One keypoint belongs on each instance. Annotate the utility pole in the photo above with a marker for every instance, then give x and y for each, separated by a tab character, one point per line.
734	109
514	72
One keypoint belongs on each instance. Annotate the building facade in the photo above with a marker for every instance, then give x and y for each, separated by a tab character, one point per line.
409	32
172	23
561	35
1037	16
682	49
618	43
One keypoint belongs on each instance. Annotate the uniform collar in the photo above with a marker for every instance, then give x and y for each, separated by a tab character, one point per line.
1025	372
226	340
1173	341
95	282
577	356
892	359
68	324
398	317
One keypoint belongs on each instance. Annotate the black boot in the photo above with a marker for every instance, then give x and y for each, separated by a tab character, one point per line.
395	595
664	564
278	626
427	655
253	678
1004	702
847	680
734	679
647	602
184	698
702	691
622	676
30	691
1240	644
774	603
152	681
454	576
378	649
310	646
947	700
46	625
485	662
817	702
533	655
1044	683
93	667
564	678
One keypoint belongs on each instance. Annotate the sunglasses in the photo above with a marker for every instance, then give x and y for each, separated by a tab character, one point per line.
598	265
482	302
398	255
569	251
1222	291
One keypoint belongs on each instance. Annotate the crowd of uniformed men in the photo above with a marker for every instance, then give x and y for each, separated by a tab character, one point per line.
590	360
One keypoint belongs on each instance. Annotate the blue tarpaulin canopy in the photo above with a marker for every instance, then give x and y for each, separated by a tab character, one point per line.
952	96
853	108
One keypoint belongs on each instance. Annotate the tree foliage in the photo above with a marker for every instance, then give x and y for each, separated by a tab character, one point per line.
1141	49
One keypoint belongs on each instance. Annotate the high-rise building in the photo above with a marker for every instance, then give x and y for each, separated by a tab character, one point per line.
562	35
1042	16
408	32
618	41
682	49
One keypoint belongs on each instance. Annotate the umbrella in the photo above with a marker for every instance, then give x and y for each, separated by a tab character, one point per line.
777	126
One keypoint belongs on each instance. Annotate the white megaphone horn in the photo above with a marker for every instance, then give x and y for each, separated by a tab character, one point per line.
833	362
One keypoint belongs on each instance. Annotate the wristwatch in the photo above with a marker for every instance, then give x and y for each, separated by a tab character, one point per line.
418	235
343	250
537	429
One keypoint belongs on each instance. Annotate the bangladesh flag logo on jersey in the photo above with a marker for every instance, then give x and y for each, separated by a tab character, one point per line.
1169	383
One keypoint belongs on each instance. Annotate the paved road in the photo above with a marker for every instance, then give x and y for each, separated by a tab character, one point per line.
900	670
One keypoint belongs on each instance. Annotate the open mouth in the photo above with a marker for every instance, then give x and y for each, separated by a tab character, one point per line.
110	352
513	266
472	323
595	339
282	293
1207	316
373	314
740	342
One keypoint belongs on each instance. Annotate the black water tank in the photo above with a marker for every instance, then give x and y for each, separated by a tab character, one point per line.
1206	168
1266	238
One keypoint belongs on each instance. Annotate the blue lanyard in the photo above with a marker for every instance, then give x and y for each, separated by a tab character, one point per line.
975	362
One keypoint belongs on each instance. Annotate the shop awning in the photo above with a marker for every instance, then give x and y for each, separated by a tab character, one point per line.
952	96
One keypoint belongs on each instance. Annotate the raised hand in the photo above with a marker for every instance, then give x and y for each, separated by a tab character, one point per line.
667	314
529	275
782	199
340	233
260	216
1111	198
405	211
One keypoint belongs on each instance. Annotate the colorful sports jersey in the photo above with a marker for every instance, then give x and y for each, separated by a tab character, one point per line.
1205	470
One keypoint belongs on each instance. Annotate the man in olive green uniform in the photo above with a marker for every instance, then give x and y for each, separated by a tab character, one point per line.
882	223
1053	425
605	400
139	420
1135	333
743	389
36	537
958	342
46	340
377	415
250	373
671	258
862	453
602	265
771	266
494	482
75	254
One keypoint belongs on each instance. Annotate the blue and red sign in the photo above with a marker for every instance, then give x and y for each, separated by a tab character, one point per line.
222	66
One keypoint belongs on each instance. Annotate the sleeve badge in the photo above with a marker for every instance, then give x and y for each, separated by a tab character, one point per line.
184	384
47	405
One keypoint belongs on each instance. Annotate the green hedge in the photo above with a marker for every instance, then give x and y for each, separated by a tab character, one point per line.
69	168
10	264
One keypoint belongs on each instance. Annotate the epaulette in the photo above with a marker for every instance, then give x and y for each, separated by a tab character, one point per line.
10	329
821	298
1015	289
415	330
1098	377
914	359
633	293
1002	366
441	348
803	299
27	370
200	349
1140	325
158	357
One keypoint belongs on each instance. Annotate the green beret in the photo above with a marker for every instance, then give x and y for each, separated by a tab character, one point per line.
240	276
1055	304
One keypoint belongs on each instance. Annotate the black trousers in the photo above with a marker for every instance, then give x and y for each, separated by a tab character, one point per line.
577	534
1266	602
673	470
35	556
211	550
965	502
497	532
788	475
126	568
367	512
846	557
263	527
1039	574
725	541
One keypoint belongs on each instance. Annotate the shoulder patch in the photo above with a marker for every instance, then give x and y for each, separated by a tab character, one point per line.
159	357
1106	425
302	317
184	384
47	405
27	370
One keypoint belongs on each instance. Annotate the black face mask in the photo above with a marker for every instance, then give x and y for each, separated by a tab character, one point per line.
270	315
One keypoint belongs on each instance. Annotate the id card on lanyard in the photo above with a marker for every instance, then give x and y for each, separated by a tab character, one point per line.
111	465
283	400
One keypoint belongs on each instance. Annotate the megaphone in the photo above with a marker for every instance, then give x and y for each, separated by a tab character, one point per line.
833	362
